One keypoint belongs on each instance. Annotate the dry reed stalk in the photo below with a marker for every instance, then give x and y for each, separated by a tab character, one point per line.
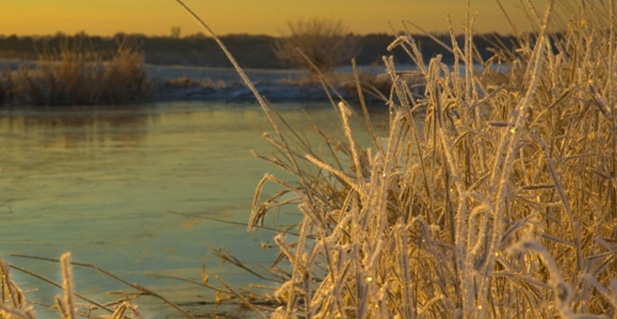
66	305
13	303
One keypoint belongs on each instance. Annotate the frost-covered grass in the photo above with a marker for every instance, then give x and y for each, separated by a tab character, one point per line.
502	203
70	304
77	77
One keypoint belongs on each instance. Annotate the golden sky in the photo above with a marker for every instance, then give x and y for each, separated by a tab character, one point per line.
157	17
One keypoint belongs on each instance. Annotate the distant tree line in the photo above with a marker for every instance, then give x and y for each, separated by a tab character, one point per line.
251	51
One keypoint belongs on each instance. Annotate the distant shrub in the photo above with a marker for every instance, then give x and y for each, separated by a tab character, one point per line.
324	44
76	76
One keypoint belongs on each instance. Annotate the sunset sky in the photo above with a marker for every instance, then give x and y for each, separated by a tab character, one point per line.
157	17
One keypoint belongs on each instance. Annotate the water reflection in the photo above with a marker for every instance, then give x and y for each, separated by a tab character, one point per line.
77	127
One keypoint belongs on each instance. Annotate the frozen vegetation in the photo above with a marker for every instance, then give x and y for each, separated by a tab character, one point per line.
75	77
492	196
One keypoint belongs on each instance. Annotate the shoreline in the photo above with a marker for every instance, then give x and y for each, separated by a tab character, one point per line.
192	83
180	83
236	92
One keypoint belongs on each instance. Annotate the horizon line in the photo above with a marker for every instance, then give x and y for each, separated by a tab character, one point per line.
204	35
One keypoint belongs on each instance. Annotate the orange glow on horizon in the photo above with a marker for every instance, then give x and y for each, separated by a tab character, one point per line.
157	17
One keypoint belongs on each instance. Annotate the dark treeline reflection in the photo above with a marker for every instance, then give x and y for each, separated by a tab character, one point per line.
75	128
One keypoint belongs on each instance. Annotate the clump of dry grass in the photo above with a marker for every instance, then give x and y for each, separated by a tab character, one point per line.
501	204
74	76
14	305
119	304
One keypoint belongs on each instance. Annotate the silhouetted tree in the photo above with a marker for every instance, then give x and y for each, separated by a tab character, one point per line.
325	43
176	32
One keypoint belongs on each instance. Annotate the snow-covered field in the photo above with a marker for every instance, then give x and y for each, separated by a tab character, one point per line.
228	75
224	84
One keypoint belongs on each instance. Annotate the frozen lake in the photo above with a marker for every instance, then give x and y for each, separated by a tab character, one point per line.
134	189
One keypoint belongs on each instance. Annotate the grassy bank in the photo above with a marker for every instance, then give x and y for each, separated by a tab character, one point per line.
72	76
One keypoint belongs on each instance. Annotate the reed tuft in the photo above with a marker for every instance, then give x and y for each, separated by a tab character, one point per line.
72	75
500	201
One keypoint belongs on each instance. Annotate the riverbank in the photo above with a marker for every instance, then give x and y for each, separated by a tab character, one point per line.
22	83
180	83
